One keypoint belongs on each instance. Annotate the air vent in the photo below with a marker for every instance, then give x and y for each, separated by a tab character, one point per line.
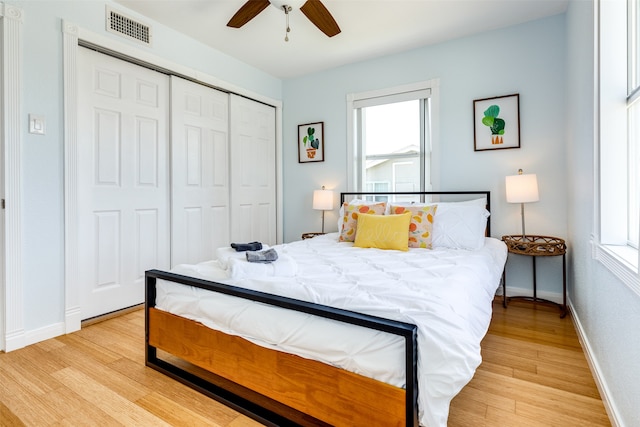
123	25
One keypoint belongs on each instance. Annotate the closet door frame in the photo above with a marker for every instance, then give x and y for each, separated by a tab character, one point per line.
73	36
12	333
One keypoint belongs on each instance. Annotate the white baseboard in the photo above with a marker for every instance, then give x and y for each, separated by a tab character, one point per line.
45	333
21	339
605	394
73	319
14	341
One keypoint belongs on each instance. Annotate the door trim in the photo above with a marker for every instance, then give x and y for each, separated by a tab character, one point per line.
72	313
72	36
11	284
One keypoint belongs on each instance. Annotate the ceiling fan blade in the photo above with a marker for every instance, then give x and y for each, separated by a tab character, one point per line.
320	16
247	12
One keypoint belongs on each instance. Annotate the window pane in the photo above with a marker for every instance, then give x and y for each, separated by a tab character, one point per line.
634	173
397	174
377	187
633	147
391	128
634	45
391	140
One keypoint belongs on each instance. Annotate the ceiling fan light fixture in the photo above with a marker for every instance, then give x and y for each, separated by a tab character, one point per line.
293	4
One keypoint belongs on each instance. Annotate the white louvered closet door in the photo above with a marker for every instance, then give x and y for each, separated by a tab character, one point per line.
123	185
253	171
200	171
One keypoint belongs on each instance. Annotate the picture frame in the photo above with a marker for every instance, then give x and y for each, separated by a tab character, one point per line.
311	142
496	122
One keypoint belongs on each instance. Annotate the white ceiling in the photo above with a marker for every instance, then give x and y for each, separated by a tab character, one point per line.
370	28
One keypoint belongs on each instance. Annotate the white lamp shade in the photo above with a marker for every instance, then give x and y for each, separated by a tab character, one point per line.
323	200
522	188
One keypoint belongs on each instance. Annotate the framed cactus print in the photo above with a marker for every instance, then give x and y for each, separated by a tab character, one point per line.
496	122
311	142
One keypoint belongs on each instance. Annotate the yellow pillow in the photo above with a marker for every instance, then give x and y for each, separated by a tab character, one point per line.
383	231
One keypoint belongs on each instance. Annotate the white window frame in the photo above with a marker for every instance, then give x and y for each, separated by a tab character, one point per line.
397	94
612	246
633	113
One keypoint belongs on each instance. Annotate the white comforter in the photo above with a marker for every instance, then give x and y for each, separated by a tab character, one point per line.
447	293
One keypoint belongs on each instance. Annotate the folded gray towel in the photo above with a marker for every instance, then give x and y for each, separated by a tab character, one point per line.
268	255
253	246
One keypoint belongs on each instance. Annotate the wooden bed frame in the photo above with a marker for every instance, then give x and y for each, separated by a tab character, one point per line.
277	388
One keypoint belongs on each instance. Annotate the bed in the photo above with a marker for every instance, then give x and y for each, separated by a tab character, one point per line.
336	331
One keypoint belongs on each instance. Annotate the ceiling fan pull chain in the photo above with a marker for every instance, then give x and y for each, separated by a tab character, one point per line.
287	9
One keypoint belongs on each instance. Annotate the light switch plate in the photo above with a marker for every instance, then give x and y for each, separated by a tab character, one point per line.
36	124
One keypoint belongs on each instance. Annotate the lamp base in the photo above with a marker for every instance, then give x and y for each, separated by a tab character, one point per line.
524	235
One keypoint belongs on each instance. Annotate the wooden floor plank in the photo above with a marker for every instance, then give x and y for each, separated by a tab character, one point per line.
8	418
473	394
75	411
19	401
173	412
550	416
534	374
106	399
176	392
76	342
498	417
28	373
243	422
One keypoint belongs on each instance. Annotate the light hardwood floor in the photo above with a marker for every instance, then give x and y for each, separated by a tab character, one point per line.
534	373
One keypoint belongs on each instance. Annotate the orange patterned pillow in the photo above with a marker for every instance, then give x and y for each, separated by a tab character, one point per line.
350	218
421	226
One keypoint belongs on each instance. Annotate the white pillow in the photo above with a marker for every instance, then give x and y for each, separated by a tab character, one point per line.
475	202
460	225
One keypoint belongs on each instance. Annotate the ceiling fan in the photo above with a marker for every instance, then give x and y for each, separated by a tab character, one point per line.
314	10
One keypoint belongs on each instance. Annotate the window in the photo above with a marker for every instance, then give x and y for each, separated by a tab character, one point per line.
392	136
377	187
633	108
619	138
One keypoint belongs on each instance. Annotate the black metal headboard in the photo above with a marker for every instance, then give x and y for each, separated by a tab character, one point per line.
422	197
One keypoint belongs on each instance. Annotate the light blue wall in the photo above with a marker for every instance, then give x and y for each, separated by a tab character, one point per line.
607	309
528	59
538	60
43	156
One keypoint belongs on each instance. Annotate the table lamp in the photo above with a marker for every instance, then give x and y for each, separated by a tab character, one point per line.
522	189
323	201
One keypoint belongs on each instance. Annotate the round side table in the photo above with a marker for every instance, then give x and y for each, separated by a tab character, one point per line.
536	246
